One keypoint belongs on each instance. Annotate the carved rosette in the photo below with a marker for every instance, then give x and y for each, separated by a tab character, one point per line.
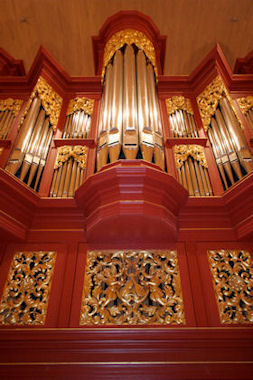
209	99
245	104
178	103
132	288
79	153
12	105
80	104
50	100
129	37
26	292
182	152
232	272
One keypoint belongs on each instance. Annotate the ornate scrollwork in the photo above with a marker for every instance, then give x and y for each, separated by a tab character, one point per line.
129	37
50	100
245	103
178	103
232	272
131	288
209	99
10	104
80	104
182	152
79	153
26	293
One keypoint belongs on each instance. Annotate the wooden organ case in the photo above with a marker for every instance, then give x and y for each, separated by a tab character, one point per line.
126	220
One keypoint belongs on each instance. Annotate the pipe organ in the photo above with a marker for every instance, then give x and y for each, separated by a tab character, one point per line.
126	202
130	124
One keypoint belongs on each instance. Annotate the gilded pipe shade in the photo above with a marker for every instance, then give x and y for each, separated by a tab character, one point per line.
232	273
9	108
26	293
132	288
130	124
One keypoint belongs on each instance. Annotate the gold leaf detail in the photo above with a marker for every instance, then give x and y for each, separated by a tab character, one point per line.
132	288
26	292
245	103
182	152
79	153
178	103
50	100
80	104
10	104
129	37
209	99
232	272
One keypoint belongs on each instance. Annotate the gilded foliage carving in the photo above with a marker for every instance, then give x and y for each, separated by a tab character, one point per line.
26	292
131	288
182	152
178	103
50	100
81	104
209	99
10	104
245	103
129	37
79	153
232	272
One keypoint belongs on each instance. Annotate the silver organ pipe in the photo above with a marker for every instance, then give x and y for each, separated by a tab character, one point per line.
130	125
77	125
229	145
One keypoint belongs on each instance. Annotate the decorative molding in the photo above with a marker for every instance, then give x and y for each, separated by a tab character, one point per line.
182	152
81	104
132	288
178	103
232	272
129	37
79	153
50	100
209	99
245	103
26	292
10	104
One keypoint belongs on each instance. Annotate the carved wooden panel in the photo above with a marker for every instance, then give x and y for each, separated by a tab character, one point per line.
232	272
26	292
132	288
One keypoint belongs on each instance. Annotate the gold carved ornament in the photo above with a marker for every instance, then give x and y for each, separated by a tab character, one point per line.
182	152
79	153
12	105
132	288
209	99
80	104
26	292
129	37
178	103
232	272
51	102
245	103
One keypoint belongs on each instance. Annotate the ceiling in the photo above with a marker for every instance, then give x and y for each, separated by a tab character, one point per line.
65	27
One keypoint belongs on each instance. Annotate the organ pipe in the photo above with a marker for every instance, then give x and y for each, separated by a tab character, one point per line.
130	123
77	125
181	117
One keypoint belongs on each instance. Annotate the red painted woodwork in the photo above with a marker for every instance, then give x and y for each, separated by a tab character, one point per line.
5	143
127	205
244	65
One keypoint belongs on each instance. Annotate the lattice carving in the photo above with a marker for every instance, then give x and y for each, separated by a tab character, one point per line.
232	272
10	104
131	288
50	100
129	37
81	104
26	292
245	103
178	103
209	99
182	152
79	153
